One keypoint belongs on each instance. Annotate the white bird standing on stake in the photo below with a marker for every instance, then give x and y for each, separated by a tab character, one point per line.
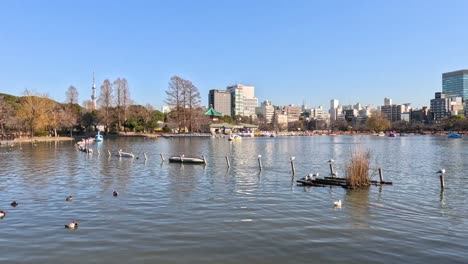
315	175
331	161
441	171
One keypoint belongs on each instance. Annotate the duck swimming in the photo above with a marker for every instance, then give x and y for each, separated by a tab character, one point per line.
69	198
72	225
115	193
14	204
2	214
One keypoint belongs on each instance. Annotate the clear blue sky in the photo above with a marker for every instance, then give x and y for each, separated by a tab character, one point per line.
354	51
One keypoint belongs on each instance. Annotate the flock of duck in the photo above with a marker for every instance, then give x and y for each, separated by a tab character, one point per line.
72	225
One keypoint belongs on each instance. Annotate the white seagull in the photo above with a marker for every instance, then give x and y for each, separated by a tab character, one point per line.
337	204
441	171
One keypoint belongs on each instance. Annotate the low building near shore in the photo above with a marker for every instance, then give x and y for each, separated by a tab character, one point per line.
226	128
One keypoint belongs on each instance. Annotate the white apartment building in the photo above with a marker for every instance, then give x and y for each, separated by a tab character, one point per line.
243	100
267	110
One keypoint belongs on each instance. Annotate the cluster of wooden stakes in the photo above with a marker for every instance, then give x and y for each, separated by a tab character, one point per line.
333	180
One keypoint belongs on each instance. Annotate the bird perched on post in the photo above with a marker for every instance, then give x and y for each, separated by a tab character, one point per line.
442	171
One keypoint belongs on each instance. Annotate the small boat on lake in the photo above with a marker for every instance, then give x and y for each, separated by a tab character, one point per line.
98	137
191	160
234	138
453	135
392	134
126	154
381	134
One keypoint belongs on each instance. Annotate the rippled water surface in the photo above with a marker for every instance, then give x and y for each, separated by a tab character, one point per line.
173	213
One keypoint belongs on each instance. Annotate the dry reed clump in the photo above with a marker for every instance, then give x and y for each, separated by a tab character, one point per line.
357	170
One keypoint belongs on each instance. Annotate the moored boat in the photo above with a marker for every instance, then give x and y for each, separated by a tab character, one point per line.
183	159
234	138
453	135
126	154
98	137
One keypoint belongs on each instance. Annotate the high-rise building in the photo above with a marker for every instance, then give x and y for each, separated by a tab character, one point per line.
388	101
243	100
392	112
455	84
293	112
334	103
420	115
220	100
334	109
439	106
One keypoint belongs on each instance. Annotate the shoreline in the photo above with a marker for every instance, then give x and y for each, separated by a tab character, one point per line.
168	135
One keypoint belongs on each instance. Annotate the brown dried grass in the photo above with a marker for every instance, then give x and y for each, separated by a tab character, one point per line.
357	169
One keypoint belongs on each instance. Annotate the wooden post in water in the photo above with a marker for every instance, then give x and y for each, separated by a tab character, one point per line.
146	157
442	182
293	169
108	151
332	170
228	163
162	157
380	175
260	162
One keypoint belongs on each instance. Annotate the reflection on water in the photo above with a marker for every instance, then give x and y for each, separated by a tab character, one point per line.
357	203
182	213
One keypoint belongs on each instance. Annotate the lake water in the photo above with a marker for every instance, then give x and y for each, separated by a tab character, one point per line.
173	213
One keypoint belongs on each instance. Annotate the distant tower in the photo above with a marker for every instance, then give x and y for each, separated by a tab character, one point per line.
93	96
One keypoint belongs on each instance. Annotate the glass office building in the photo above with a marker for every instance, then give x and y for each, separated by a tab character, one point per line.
455	84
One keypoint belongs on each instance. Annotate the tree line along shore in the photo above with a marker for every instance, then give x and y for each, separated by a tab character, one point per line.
115	113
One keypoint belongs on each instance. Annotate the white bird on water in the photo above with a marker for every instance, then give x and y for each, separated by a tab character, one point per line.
337	204
441	171
72	225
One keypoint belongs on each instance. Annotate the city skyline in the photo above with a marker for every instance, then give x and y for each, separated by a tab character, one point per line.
354	52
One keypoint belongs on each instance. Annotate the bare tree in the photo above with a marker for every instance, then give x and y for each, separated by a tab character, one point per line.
183	97
105	102
35	111
6	113
118	100
193	98
69	117
175	93
126	100
88	105
123	101
72	95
